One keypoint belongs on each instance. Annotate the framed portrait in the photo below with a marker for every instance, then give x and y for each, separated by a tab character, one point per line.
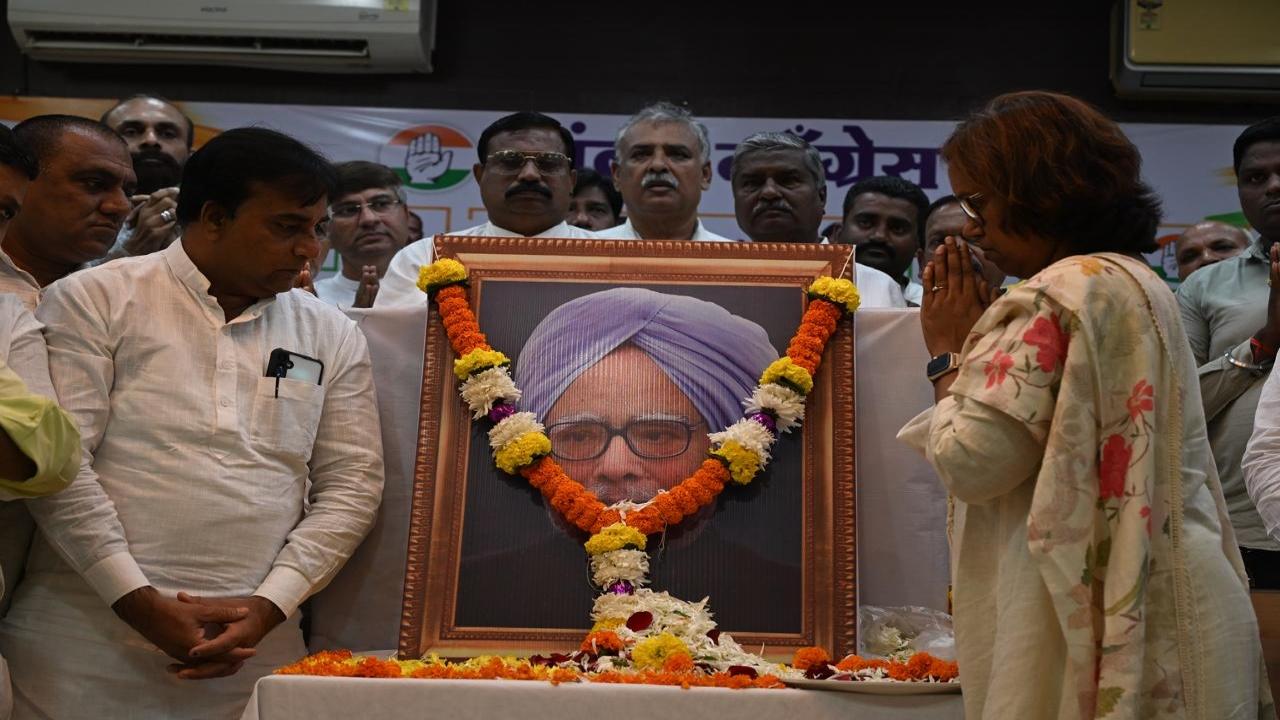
630	352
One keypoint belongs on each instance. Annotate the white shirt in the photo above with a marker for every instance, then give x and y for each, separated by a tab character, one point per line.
876	289
337	290
200	473
399	287
626	231
1261	463
17	281
914	293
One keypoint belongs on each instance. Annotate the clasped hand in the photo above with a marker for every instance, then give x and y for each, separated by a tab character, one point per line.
955	296
209	637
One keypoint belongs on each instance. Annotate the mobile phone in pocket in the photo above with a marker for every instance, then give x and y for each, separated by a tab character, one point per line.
291	365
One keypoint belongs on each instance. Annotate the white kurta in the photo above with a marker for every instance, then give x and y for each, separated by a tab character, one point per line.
627	231
14	280
399	287
198	476
338	290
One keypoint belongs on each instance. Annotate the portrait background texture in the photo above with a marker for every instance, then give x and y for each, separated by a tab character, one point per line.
518	569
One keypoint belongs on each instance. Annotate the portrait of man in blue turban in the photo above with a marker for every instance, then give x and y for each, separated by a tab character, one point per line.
628	382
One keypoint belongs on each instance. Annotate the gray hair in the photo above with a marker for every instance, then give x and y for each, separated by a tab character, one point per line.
762	141
660	113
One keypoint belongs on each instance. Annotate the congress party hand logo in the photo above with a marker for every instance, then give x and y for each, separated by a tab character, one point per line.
424	157
425	162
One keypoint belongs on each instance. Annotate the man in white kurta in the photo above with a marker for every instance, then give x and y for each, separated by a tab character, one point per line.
201	475
525	174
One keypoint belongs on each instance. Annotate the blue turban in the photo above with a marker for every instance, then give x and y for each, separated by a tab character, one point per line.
712	355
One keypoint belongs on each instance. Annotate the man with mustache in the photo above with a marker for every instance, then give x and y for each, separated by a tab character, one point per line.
159	137
526	177
1232	318
780	194
74	207
368	224
884	218
662	165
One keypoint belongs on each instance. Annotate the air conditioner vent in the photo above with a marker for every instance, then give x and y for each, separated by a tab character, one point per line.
148	42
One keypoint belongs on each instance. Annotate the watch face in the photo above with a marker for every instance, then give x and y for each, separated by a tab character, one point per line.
940	365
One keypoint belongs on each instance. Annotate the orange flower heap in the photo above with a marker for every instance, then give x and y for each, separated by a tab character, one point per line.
810	657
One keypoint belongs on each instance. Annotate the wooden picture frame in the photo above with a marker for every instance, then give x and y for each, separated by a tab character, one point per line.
458	504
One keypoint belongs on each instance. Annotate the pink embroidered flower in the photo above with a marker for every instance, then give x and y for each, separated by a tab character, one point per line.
1114	466
1146	513
1141	399
1047	335
997	367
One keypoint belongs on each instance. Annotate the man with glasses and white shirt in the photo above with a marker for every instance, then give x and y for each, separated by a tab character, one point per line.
368	225
526	180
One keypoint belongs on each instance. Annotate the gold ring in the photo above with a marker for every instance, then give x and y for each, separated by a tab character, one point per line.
935	288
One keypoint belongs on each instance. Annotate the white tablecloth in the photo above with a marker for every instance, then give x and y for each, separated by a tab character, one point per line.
902	550
307	698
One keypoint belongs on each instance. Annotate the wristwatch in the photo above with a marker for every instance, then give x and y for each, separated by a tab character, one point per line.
942	364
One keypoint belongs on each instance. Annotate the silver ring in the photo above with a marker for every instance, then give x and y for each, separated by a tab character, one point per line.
935	288
167	216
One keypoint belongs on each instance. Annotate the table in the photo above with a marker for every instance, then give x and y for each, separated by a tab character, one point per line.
902	548
305	698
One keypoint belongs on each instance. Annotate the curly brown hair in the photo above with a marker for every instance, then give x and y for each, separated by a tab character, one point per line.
1062	169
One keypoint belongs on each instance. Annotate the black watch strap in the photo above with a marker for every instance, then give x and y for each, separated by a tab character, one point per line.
940	365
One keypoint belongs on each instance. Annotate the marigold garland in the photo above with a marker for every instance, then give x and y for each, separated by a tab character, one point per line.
618	534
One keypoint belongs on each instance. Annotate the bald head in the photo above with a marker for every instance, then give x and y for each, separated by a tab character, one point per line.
1207	243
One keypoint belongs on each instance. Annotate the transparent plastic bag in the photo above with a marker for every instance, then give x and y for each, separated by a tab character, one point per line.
900	631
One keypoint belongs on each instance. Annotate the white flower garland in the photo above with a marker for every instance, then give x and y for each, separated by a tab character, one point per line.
512	427
786	405
482	390
625	564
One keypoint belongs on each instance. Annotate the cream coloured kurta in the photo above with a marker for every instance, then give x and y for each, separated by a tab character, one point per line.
197	477
1096	571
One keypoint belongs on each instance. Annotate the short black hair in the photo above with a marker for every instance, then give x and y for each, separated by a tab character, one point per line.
223	169
41	134
524	121
191	127
1261	131
359	175
15	156
936	205
894	187
588	178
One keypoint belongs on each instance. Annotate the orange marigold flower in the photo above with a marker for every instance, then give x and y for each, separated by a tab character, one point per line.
678	663
810	657
602	642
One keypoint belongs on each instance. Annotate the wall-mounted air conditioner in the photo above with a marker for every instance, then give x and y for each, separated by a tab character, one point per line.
1201	49
382	36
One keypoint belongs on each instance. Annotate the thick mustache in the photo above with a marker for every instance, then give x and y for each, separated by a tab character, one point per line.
665	178
529	187
765	207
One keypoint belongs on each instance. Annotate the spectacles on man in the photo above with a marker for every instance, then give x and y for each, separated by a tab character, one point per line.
511	162
649	439
970	203
379	206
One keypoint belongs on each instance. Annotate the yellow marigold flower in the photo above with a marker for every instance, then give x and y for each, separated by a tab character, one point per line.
478	359
841	292
521	452
744	463
608	624
439	273
785	372
615	537
652	652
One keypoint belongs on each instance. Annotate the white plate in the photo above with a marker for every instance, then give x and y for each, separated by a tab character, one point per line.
877	687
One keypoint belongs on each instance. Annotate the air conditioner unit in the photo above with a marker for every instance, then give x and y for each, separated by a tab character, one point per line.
375	36
1200	49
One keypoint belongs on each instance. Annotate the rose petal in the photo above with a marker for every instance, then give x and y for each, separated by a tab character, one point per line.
714	635
639	621
743	670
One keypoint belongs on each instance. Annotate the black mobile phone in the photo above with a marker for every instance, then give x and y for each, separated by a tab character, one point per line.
286	364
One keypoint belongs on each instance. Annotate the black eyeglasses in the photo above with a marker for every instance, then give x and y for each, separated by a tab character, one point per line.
969	204
511	162
650	439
